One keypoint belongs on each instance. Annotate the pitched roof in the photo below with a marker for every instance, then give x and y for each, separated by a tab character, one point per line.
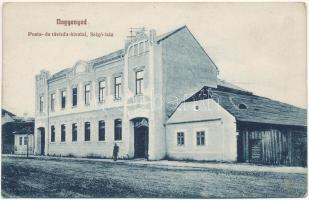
256	109
3	112
107	58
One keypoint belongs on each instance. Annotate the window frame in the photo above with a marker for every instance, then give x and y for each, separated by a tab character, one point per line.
52	134
63	133
139	83
41	103
87	93
87	135
102	90
183	138
199	138
117	87
118	135
74	96
26	140
101	131
52	102
63	99
74	132
20	140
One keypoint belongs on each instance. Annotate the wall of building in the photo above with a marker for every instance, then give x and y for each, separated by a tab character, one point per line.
186	67
220	134
22	149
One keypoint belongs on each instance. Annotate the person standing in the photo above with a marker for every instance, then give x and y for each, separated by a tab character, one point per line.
115	152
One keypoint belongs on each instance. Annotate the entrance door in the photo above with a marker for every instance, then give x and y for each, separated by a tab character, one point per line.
141	138
42	141
255	150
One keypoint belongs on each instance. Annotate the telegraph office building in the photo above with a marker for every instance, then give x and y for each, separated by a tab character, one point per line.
160	97
125	97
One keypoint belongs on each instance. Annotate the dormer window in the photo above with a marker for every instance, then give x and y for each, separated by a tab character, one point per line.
242	106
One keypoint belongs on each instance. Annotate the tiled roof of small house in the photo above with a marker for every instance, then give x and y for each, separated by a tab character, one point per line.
3	112
247	107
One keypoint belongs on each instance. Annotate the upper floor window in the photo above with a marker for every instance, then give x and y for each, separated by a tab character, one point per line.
118	87
101	130
101	90
26	140
180	138
87	131
74	132
141	47
74	96
87	94
53	134
63	133
20	140
139	82
135	50
52	102
63	96
118	129
200	138
41	103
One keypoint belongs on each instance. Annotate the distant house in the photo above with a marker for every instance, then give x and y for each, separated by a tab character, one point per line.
24	140
14	125
229	124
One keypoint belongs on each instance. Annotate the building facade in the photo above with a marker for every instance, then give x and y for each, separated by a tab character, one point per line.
124	97
23	143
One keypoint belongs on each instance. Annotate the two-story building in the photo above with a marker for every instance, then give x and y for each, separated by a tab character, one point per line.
159	97
124	97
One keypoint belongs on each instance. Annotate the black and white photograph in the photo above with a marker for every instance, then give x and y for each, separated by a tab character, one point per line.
154	100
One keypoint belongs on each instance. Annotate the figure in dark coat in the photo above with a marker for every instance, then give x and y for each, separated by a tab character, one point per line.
115	152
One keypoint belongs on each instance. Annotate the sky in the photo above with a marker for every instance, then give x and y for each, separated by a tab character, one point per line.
260	47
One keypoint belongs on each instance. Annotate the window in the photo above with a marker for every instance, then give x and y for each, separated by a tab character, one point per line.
101	130
141	47
62	133
20	140
87	94
87	131
41	103
101	90
139	82
135	49
117	87
26	140
200	138
74	96
118	129
74	132
242	106
52	134
63	95
180	138
52	102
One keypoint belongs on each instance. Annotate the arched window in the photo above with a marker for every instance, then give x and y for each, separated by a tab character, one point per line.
118	129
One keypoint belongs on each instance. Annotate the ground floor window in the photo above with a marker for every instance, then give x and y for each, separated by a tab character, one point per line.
74	132
180	138
62	133
26	140
87	131
101	130
200	138
20	140
52	135
118	129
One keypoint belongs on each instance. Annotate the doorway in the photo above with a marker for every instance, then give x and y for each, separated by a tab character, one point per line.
141	138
